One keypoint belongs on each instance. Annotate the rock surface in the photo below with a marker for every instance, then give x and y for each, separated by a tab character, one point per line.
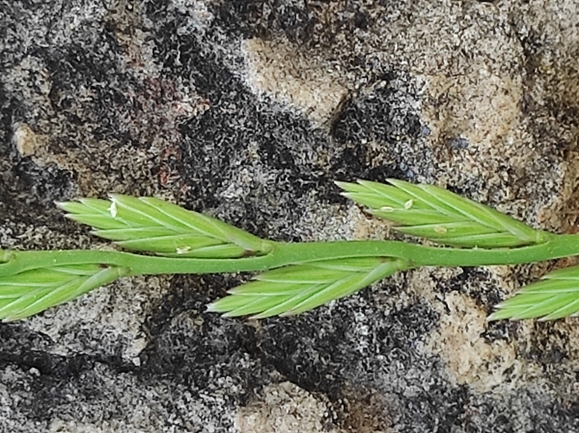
249	110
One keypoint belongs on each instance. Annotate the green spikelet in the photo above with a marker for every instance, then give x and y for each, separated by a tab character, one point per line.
296	289
555	296
441	216
153	225
33	291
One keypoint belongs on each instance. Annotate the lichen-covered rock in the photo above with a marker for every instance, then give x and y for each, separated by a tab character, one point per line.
249	111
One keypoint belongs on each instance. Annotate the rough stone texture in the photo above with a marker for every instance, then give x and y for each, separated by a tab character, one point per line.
249	110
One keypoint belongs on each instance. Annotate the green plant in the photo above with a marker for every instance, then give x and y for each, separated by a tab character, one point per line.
295	277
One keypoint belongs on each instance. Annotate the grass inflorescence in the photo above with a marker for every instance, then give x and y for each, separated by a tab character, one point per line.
294	277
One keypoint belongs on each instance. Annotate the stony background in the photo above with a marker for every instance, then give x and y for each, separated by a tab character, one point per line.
249	110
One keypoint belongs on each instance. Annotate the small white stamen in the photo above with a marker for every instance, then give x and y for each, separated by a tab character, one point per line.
408	204
113	209
183	250
386	209
440	229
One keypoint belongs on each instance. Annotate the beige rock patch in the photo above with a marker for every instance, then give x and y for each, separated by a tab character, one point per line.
469	358
285	408
459	340
25	139
307	83
480	106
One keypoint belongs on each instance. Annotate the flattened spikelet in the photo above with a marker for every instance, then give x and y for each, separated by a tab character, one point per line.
299	288
441	216
153	225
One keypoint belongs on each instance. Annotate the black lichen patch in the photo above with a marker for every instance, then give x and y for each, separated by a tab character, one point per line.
382	123
320	357
377	115
191	348
215	144
548	346
295	19
473	282
16	338
55	383
47	182
315	24
27	190
98	70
